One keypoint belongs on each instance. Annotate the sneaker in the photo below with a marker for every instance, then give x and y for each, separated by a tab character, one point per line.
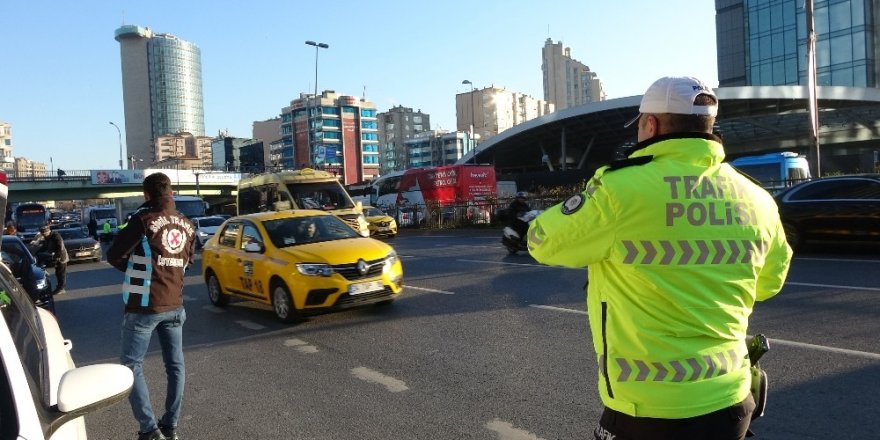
155	434
169	432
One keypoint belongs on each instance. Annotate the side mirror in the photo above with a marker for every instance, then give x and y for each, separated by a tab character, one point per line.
85	389
254	247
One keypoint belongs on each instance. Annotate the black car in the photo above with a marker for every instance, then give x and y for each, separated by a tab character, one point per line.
80	247
843	209
27	271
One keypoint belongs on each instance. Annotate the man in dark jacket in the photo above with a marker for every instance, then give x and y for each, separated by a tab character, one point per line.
51	242
154	250
517	208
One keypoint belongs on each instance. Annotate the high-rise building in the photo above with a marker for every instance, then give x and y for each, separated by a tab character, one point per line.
568	82
435	148
269	132
332	132
396	126
492	110
161	88
7	162
764	43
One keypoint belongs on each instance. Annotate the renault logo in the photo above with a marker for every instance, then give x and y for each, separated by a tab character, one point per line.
362	267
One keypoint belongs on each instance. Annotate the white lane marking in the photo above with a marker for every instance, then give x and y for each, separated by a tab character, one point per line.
835	260
503	263
445	292
189	298
559	309
372	376
833	286
863	354
506	431
250	325
300	345
214	309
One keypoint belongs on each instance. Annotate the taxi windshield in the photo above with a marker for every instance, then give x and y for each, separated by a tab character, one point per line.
373	212
294	231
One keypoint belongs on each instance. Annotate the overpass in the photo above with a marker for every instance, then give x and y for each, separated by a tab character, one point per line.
214	187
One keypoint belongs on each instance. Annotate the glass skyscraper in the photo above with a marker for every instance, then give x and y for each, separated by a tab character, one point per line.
162	88
764	42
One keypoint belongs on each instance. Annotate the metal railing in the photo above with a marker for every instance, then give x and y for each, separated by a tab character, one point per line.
72	175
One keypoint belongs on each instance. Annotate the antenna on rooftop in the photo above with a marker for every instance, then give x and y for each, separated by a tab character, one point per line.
365	92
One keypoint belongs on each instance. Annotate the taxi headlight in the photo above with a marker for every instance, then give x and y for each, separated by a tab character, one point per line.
314	270
42	284
390	260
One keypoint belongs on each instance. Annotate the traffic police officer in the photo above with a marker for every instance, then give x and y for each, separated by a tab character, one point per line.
679	246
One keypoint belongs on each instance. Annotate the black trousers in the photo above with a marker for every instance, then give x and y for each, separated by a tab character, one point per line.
60	275
726	424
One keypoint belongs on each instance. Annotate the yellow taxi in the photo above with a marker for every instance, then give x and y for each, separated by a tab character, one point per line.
300	262
379	223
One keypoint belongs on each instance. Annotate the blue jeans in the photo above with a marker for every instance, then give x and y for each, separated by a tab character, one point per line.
137	329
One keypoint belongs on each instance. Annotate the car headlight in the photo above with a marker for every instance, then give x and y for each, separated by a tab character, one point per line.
42	284
96	246
390	260
203	234
314	270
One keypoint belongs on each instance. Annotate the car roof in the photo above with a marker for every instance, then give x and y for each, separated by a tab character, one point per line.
275	215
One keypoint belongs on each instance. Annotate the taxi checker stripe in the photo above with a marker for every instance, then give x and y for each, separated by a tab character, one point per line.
690	369
720	251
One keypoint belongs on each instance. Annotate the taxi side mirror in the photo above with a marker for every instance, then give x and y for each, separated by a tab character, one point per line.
254	247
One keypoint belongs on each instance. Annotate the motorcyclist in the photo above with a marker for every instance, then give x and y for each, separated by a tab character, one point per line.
515	210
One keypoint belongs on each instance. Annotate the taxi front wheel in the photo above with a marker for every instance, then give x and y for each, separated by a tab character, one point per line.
282	303
215	292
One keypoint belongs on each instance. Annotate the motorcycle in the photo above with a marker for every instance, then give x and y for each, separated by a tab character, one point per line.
513	236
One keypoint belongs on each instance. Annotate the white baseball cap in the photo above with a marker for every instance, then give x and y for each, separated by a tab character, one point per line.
676	94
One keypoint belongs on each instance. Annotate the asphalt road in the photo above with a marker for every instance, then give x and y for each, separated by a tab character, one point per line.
481	345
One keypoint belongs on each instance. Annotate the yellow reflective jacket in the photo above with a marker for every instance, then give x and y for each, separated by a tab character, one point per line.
678	247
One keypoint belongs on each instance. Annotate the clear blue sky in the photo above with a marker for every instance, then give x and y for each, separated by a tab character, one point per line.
60	77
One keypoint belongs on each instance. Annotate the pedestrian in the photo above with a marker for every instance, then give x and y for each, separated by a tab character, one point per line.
10	228
61	174
678	247
108	231
154	250
52	243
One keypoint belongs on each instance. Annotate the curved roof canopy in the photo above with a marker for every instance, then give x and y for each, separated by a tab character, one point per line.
750	120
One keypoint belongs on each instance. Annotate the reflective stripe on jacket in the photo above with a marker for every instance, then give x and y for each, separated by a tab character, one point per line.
679	246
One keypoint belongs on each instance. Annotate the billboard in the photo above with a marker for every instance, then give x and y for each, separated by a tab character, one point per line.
128	177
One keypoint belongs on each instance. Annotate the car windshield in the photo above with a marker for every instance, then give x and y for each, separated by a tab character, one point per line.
190	208
70	234
294	231
373	212
209	222
105	213
323	195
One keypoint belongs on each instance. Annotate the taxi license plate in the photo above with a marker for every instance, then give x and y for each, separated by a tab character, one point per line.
370	286
82	254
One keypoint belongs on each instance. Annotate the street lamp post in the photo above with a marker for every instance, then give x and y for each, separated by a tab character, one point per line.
318	46
473	129
118	131
133	159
